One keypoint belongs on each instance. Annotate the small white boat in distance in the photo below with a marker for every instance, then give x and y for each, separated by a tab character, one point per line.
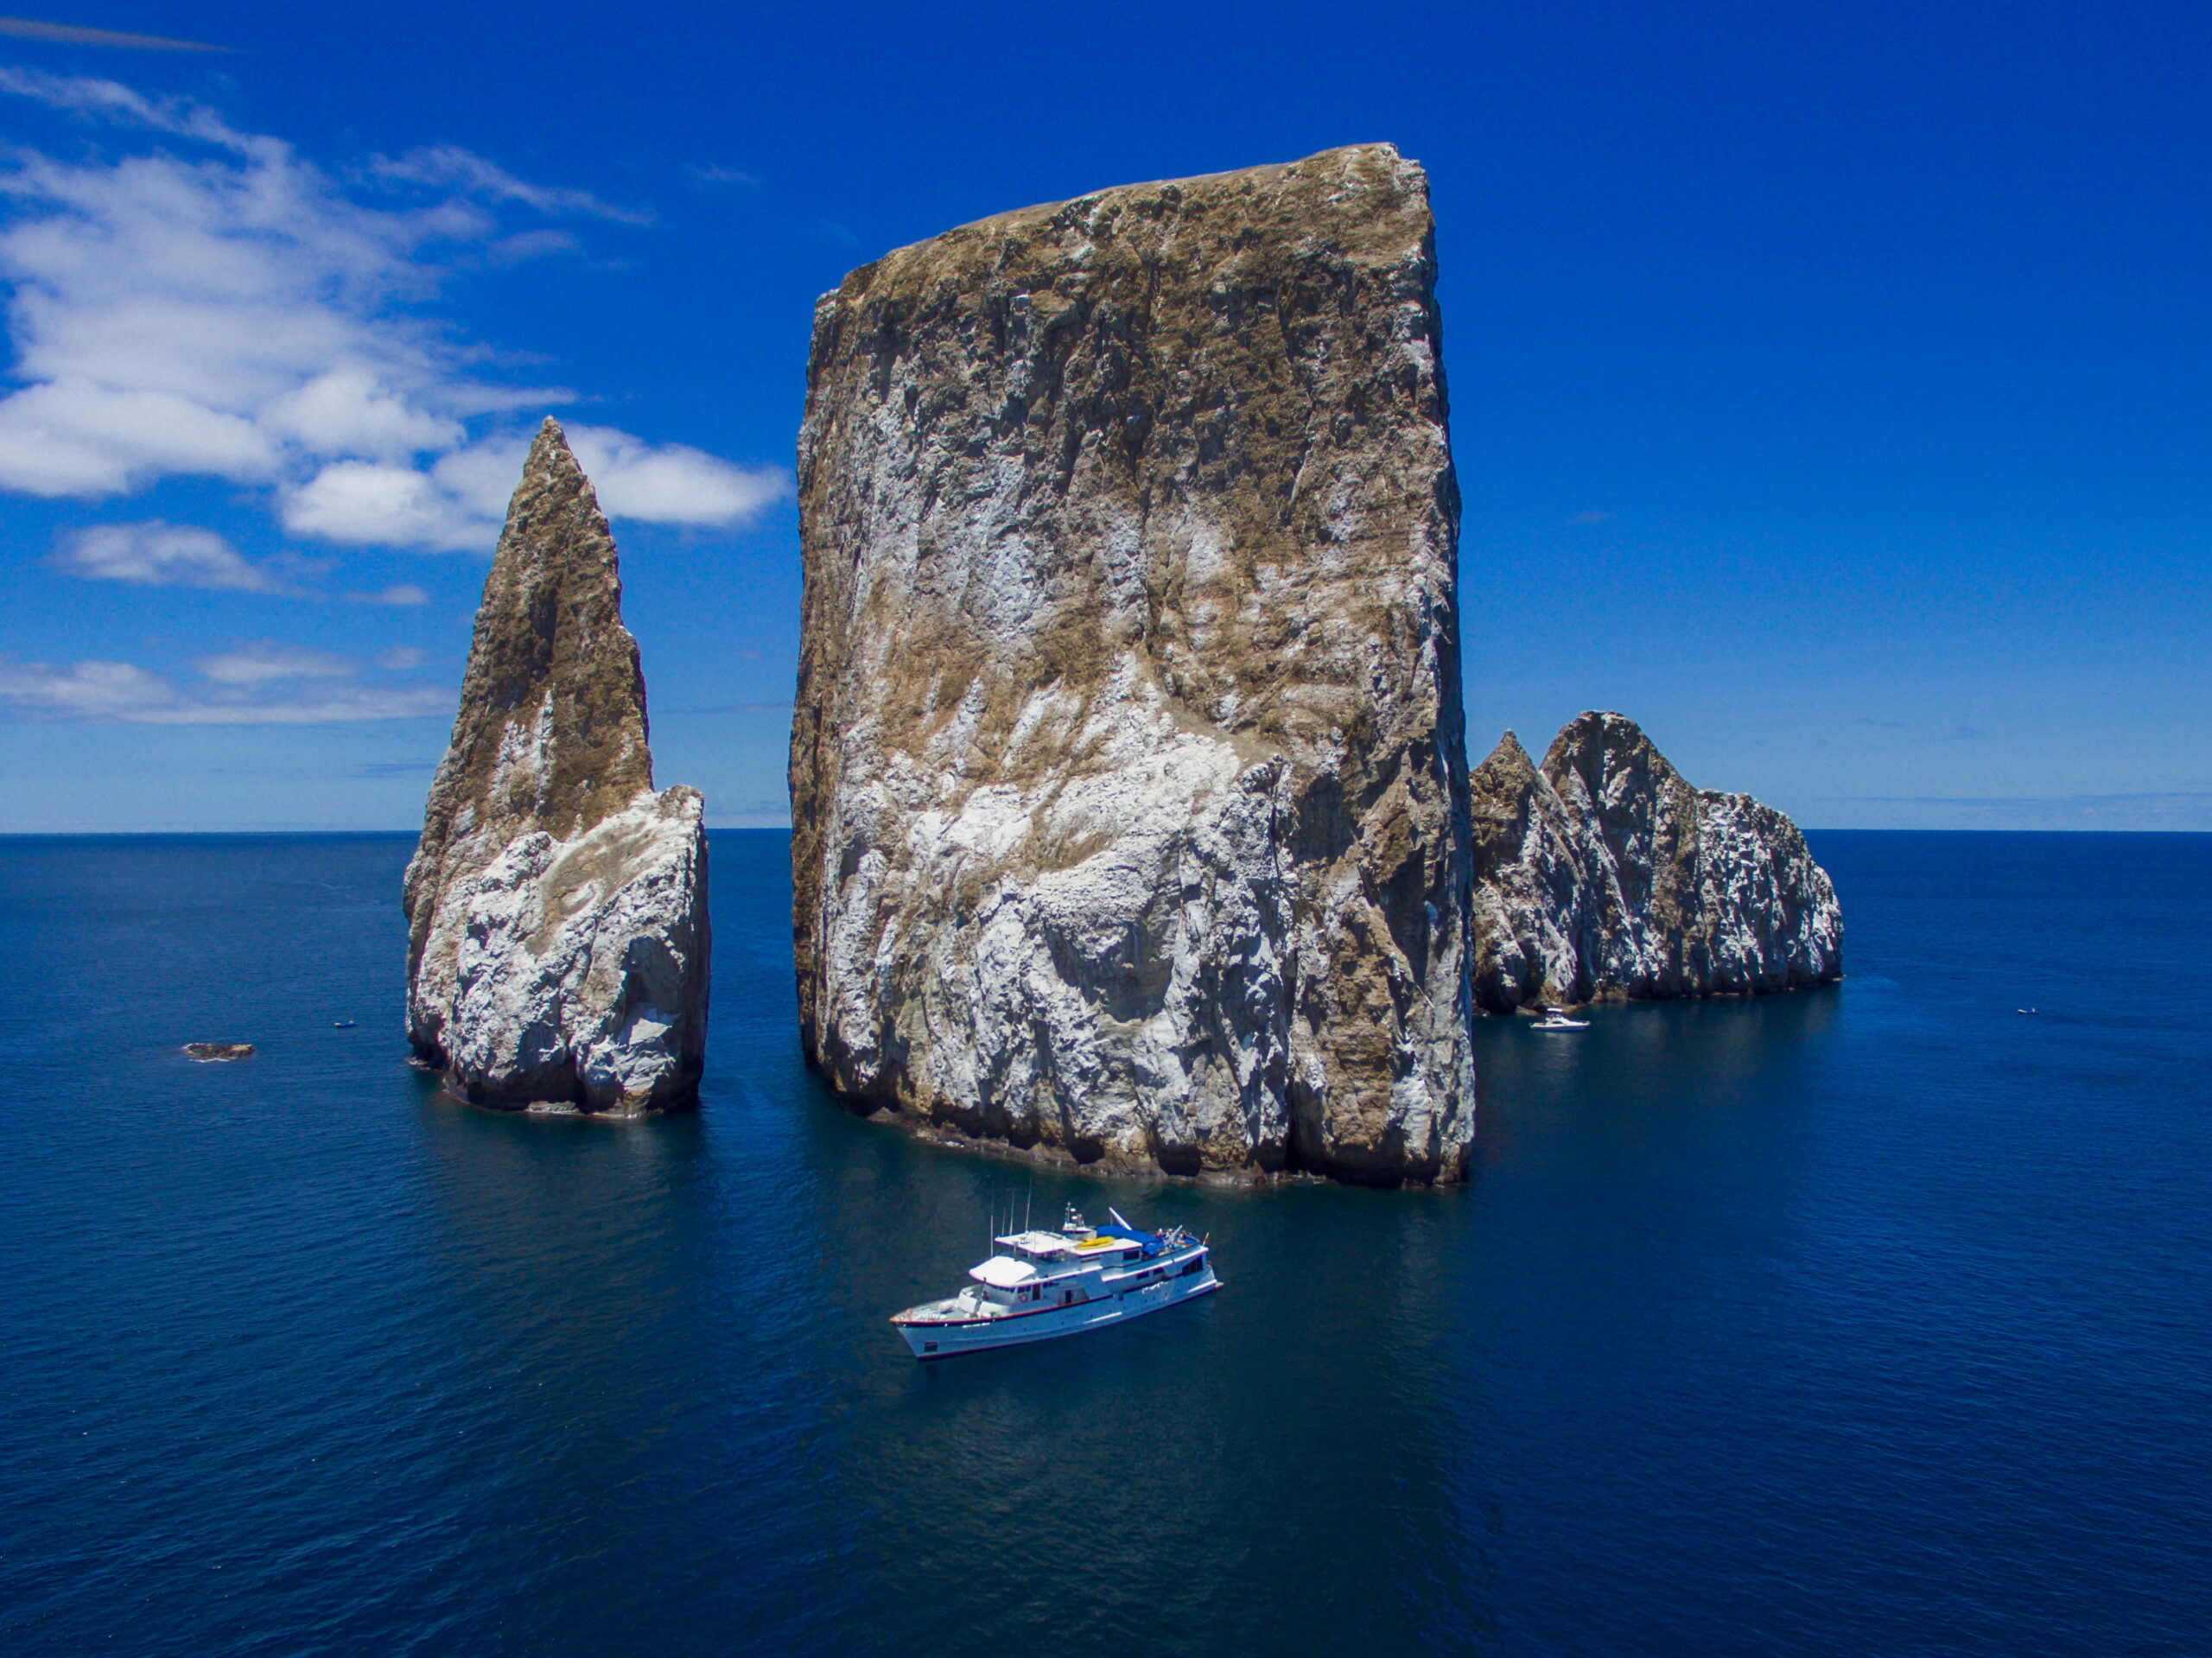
1555	1018
1046	1284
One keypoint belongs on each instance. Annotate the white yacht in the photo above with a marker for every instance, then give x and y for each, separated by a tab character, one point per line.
1041	1284
1555	1018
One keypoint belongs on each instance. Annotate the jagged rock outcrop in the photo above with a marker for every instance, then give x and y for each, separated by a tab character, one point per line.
1129	774
211	1053
557	939
1606	874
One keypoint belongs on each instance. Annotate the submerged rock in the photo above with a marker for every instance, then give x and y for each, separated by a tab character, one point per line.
1128	772
215	1052
556	905
1606	874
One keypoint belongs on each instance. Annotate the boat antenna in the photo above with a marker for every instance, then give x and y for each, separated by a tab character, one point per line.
1027	1201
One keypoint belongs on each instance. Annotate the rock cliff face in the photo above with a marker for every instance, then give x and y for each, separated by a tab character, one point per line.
1129	777
1605	874
556	905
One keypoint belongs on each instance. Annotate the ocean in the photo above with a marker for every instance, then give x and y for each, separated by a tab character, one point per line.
1873	1318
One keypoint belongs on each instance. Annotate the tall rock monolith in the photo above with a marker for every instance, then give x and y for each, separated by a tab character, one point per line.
1128	782
556	905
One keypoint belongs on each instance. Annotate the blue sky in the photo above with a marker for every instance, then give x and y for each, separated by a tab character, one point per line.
1832	387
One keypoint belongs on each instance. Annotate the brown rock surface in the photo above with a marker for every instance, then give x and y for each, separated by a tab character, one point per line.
557	939
215	1052
1128	770
1607	874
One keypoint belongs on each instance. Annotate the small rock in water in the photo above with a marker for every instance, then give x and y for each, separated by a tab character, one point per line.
210	1052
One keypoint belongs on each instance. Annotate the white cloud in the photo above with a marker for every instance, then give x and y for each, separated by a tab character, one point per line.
647	482
87	691
447	165
77	438
261	684
109	101
348	410
481	478
155	554
264	660
704	179
671	483
400	658
351	705
368	505
239	313
399	593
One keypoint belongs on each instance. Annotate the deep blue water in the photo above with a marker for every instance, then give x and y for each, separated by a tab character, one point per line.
1873	1320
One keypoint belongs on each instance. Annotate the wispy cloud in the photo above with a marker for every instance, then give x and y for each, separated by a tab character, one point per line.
25	28
710	180
261	684
110	100
399	593
264	660
240	313
449	165
155	554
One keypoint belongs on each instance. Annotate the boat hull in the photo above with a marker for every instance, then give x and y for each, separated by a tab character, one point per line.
943	1339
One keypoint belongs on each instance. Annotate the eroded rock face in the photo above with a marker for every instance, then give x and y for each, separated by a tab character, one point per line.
1128	775
556	905
1606	874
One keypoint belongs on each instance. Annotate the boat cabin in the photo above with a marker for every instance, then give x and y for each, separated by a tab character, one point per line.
1041	1269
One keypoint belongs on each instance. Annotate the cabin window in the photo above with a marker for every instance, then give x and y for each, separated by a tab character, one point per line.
1191	1267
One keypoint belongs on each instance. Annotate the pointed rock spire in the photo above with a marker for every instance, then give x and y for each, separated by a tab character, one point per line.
557	936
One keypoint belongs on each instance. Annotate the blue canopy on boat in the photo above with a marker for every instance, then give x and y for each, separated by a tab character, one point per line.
1154	1243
